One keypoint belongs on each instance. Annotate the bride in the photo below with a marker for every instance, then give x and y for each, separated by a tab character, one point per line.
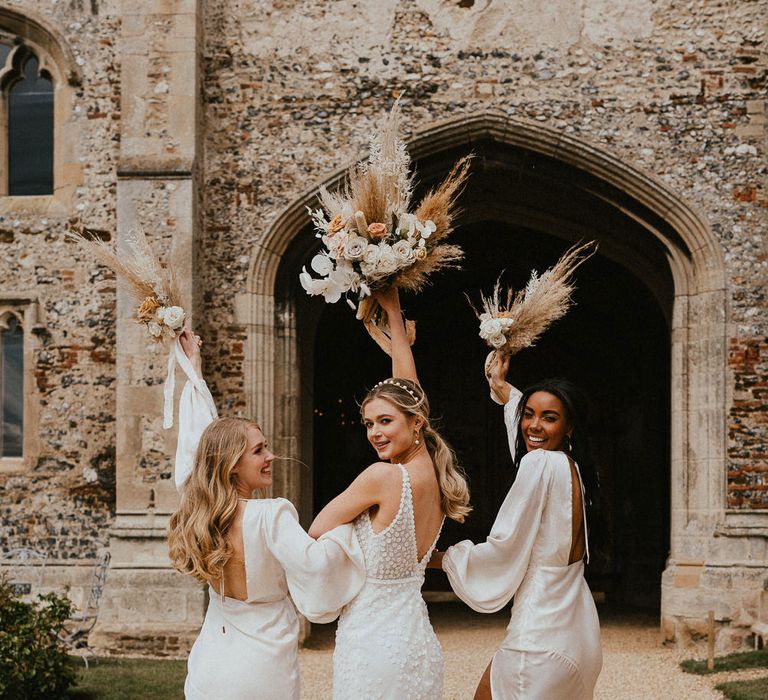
385	645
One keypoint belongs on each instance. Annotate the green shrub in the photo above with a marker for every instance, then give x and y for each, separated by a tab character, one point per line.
33	662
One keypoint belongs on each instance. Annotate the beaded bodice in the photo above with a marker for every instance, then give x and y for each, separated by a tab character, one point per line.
393	552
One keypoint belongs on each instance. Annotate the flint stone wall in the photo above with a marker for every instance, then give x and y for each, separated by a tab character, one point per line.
290	93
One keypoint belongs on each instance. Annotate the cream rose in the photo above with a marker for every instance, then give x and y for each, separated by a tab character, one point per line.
155	330
172	316
355	248
387	263
403	253
490	327
497	341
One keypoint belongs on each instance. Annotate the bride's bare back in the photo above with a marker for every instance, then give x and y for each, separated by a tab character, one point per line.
234	569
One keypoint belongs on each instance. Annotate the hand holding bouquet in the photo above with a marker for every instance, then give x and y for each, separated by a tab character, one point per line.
154	290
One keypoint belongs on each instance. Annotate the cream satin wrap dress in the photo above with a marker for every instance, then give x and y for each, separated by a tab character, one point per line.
249	648
552	649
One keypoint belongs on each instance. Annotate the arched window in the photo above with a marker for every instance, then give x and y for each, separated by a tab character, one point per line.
11	385
27	119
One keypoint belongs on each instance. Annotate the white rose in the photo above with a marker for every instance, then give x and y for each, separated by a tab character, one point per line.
371	255
387	263
322	265
355	248
497	340
403	253
154	329
506	323
173	316
490	327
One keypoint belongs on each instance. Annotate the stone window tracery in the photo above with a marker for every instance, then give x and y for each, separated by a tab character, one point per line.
11	384
26	120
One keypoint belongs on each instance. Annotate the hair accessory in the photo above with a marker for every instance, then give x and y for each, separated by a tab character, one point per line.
399	385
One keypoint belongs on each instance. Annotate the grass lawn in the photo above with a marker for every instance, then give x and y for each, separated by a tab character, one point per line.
129	679
756	689
731	662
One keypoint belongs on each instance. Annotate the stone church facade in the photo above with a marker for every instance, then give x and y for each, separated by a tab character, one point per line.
212	124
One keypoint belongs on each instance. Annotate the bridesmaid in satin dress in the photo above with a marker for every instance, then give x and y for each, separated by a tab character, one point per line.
536	551
251	552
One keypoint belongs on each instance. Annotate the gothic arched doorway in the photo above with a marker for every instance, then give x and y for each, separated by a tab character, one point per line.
532	193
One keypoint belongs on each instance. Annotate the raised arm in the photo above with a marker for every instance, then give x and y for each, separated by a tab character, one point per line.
196	407
502	392
403	365
363	493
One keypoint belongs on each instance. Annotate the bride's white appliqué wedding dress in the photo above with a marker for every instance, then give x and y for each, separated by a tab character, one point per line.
386	648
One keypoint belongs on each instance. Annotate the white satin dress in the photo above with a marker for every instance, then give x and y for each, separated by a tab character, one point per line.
552	650
248	649
386	648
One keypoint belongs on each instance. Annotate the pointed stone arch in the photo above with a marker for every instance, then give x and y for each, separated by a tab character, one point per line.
694	305
33	36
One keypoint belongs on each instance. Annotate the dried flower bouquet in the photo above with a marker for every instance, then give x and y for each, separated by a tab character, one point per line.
519	322
153	287
155	292
370	239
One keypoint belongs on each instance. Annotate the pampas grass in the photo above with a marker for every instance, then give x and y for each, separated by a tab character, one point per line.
544	300
438	206
137	264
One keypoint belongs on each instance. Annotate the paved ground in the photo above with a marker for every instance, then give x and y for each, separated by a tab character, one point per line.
635	667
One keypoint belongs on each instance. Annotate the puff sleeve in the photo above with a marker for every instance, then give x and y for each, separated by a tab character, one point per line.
486	576
196	411
323	575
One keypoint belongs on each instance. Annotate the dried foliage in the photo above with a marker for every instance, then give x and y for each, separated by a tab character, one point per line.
399	248
136	264
520	320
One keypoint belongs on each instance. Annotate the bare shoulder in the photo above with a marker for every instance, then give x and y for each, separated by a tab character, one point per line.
381	473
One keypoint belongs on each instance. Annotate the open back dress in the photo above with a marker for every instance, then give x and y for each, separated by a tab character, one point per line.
552	648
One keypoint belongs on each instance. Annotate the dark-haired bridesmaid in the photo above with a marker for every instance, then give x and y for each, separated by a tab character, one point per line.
537	550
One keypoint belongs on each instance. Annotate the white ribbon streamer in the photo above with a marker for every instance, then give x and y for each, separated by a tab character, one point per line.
177	356
170	385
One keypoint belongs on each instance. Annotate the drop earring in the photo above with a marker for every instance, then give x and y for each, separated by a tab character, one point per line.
416	438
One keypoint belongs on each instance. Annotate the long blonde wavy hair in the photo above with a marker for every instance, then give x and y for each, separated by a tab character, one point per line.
197	532
409	397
